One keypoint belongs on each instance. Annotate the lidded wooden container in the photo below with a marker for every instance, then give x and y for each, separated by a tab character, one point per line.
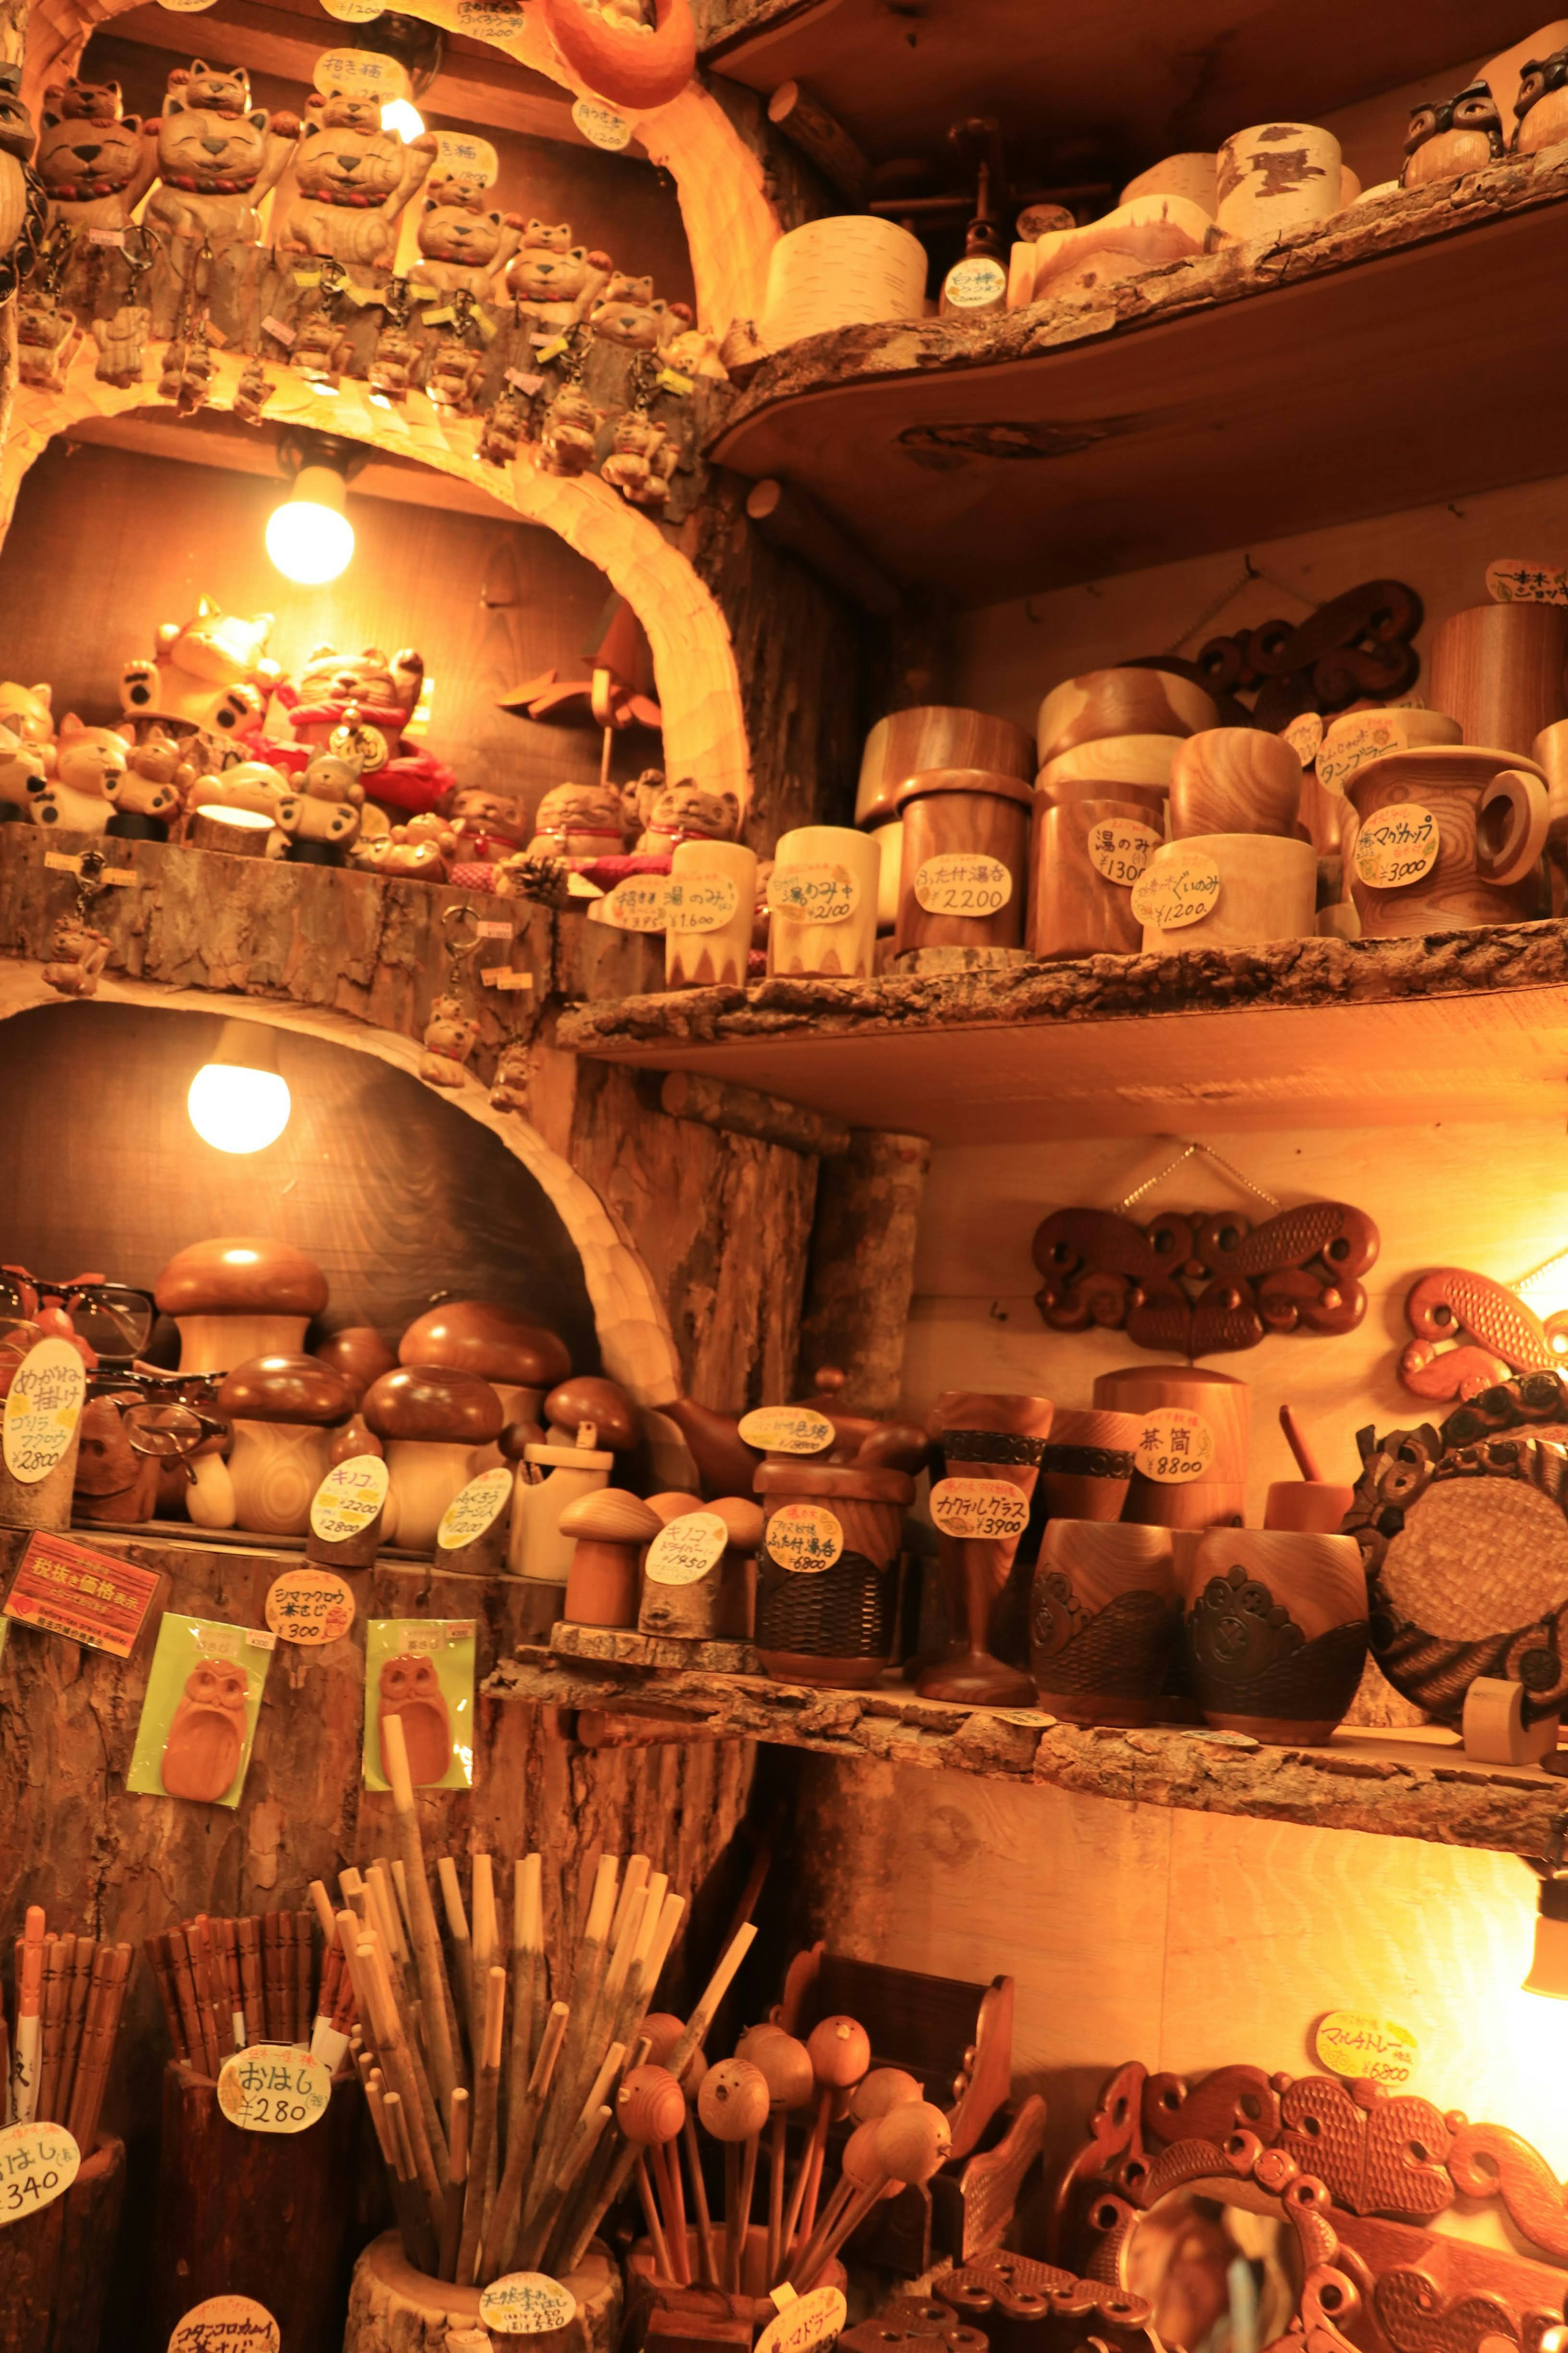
966	859
935	736
836	1624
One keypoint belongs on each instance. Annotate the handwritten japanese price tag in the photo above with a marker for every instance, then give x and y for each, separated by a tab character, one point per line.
638	904
353	11
687	1549
463	155
813	894
805	1538
806	2324
1350	748
1397	847
310	1606
37	2163
273	2088
186	8
526	2303
979	1507
348	1499
958	883
1304	733
475	1509
64	1588
601	124
1511	581
491	20
1349	2042
363	71
227	2324
43	1407
786	1429
1176	887
1175	1445
1119	849
699	902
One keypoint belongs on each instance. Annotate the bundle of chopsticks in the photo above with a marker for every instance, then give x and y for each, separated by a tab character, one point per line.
227	1983
70	1994
491	2099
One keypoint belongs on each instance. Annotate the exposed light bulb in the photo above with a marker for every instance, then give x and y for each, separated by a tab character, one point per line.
309	538
239	1101
400	115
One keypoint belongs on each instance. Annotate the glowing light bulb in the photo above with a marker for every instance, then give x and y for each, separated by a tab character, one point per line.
309	538
239	1101
400	115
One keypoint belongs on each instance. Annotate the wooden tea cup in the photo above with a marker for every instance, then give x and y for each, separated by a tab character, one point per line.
1112	761
1493	811
1104	1612
1234	780
1076	908
1269	890
935	736
1087	1467
1276	1632
1307	1507
1111	702
1277	175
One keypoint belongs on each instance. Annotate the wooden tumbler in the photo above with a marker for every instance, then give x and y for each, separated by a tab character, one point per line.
1235	780
1494	813
1078	907
1269	890
1113	761
834	1625
1108	703
1499	670
716	958
935	736
1276	1630
816	857
1218	1498
1103	1618
1087	1467
966	859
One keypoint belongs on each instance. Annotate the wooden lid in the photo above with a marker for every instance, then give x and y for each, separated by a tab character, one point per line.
286	1389
785	1481
605	1404
987	781
241	1275
470	1336
359	1352
934	735
613	1515
436	1403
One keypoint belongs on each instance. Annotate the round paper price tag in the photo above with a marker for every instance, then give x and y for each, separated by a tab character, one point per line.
805	1538
687	1549
1397	847
1351	2043
348	1498
186	8
699	902
526	2303
979	1507
464	155
475	1509
353	11
37	2162
491	20
1350	748
810	2321
1176	887
973	283
636	904
960	884
813	894
227	2324
786	1429
601	124
273	2088
310	1606
1304	733
1177	1445
43	1407
364	72
1119	849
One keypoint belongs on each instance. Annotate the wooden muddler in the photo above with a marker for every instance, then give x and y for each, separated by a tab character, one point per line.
487	2075
433	1985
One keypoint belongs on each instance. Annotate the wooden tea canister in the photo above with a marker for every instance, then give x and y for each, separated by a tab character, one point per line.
1234	780
1276	1632
1268	891
821	903
702	959
56	2265
1217	1495
1119	702
1492	811
1087	1467
823	1620
1084	837
966	859
1113	761
1104	1613
1499	670
935	736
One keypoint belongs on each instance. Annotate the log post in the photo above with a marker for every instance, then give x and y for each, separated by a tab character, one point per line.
862	1268
55	2265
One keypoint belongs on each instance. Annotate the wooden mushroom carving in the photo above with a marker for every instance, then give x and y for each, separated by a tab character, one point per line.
585	1397
284	1409
429	1419
240	1297
521	1359
360	1354
627	64
607	1528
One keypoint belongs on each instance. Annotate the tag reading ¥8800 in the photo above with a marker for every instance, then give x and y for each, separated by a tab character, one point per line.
1175	1446
805	1538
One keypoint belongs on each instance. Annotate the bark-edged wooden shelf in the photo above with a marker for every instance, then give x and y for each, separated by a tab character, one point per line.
1300	1033
1348	370
1416	1784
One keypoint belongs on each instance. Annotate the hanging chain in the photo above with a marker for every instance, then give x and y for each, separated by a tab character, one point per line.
1186	1153
1251	572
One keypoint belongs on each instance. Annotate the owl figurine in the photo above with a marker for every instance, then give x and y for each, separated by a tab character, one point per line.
1540	109
207	1738
411	1691
1451	136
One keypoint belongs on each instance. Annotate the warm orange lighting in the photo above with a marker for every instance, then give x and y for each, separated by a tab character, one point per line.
1549	1962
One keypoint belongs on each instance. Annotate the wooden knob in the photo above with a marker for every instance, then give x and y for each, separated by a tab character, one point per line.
732	2101
884	2088
784	2063
913	2142
840	2051
664	2030
650	2105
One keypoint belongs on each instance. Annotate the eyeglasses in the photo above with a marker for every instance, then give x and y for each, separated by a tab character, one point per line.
114	1320
170	1415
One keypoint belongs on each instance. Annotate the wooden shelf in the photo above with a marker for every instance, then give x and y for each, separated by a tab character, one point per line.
1415	1784
1309	1033
1348	371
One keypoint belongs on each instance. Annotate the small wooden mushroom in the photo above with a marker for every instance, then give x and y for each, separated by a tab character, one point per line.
521	1359
360	1354
237	1298
284	1409
430	1420
681	1596
616	1422
606	1528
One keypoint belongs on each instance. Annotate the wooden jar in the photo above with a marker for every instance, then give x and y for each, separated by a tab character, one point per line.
1075	908
935	736
1499	670
1277	175
1103	1617
717	959
1111	702
1269	890
1494	812
55	2265
845	949
1219	1498
1087	1467
1276	1632
836	1625
394	2308
977	822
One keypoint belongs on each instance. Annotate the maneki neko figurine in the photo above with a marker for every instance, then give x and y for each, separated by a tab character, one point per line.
584	821
353	182
685	812
217	159
210	677
96	164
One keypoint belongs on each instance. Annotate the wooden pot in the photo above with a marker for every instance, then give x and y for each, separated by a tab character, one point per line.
710	959
1220	1497
392	2308
981	818
55	2265
1314	1506
1234	780
935	736
1269	890
276	1468
1103	1616
837	1625
1499	670
1276	175
1494	812
844	950
1074	910
1276	1632
1087	1467
1113	761
1111	702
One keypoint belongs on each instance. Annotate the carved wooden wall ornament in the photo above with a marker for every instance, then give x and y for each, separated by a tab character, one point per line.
1356	647
1471	1333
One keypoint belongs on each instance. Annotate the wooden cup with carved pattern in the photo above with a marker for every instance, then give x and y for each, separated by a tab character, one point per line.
966	842
1104	1613
1493	810
716	958
1276	1632
1087	1467
1076	907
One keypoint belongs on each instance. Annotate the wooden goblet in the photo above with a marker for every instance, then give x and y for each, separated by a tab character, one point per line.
998	1439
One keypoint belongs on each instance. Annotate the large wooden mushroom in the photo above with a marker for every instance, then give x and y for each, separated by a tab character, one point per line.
360	1354
284	1409
430	1418
237	1298
521	1359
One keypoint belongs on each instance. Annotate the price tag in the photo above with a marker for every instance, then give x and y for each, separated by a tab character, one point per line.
186	8
635	906
462	155
284	334
310	1606
228	2324
64	1588
273	2088
786	1429
1397	847
526	2303
1351	2043
1511	581
973	282
1119	849
1177	1445
699	902
1175	889
116	236
962	883
979	1507
476	1508
687	1549
38	2164
805	2323
528	383
601	124
1350	748
363	71
348	1499
491	20
1304	733
353	11
813	894
43	1407
492	931
217	1641
805	1538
